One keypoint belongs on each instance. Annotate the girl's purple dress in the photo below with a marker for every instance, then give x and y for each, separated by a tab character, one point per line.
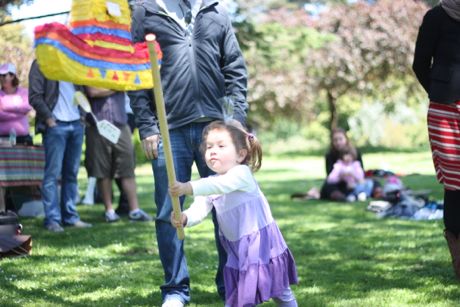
259	264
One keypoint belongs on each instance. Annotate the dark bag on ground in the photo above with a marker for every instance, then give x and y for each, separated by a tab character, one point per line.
12	242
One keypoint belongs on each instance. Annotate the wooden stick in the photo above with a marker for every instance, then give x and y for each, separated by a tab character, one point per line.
161	114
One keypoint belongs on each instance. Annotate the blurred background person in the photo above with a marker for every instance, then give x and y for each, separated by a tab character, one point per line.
59	121
437	67
14	106
105	160
338	190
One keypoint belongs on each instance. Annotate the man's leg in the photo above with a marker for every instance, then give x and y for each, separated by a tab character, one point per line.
123	203
54	143
171	249
105	186
129	189
72	155
204	171
123	168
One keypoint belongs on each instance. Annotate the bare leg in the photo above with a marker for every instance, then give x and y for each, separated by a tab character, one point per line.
106	190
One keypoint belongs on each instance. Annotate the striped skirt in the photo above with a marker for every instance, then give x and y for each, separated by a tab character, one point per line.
444	134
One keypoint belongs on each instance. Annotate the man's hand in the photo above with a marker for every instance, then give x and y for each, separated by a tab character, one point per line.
178	223
180	188
50	122
150	146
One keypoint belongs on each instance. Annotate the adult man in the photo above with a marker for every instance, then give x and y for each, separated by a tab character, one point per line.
58	119
105	160
202	63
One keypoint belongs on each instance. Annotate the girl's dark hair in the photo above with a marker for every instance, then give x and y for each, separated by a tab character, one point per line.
242	140
15	81
348	150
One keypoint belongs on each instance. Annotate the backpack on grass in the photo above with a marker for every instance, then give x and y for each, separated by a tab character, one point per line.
12	242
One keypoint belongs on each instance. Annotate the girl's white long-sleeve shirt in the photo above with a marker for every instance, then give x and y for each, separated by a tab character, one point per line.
239	178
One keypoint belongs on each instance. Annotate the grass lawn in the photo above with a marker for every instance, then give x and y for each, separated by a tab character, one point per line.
345	255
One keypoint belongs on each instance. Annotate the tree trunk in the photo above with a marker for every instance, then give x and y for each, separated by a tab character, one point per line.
333	120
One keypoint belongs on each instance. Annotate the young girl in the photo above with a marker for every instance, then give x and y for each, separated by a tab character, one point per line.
259	264
349	171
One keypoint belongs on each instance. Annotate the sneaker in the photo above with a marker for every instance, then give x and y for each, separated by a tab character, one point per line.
172	302
139	216
350	198
80	224
54	227
111	217
362	196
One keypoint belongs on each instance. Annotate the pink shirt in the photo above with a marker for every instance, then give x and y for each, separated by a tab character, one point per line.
13	112
351	173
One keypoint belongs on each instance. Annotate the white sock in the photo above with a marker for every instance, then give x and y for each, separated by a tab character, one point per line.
89	194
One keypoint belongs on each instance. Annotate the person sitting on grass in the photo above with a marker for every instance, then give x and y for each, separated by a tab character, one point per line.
339	141
259	266
331	191
349	172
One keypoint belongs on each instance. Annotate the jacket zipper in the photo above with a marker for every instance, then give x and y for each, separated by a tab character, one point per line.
189	41
191	48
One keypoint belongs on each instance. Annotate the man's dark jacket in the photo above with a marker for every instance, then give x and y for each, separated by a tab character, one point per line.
43	96
197	71
437	56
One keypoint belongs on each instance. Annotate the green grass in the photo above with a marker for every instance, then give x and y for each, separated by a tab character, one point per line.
345	255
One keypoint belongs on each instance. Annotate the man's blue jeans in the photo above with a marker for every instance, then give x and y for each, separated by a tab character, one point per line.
185	145
62	160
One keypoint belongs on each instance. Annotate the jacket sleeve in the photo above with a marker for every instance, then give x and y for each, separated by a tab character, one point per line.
235	73
37	92
425	46
141	101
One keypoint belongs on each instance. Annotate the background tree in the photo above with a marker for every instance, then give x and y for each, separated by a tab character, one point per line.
5	5
275	60
371	53
16	47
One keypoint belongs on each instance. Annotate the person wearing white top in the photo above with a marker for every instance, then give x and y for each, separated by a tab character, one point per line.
58	119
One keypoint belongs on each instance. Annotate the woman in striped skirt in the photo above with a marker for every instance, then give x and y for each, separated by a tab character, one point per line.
437	67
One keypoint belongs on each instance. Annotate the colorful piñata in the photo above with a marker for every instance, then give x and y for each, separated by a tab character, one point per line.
96	50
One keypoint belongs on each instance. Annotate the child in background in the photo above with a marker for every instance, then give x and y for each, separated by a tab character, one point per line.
259	264
349	170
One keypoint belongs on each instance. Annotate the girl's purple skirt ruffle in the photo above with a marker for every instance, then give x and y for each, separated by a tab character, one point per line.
259	267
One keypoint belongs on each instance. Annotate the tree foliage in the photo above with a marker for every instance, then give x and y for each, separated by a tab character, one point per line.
6	4
16	47
371	53
276	65
301	67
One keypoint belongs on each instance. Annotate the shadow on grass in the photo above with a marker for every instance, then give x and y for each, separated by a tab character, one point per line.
345	256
